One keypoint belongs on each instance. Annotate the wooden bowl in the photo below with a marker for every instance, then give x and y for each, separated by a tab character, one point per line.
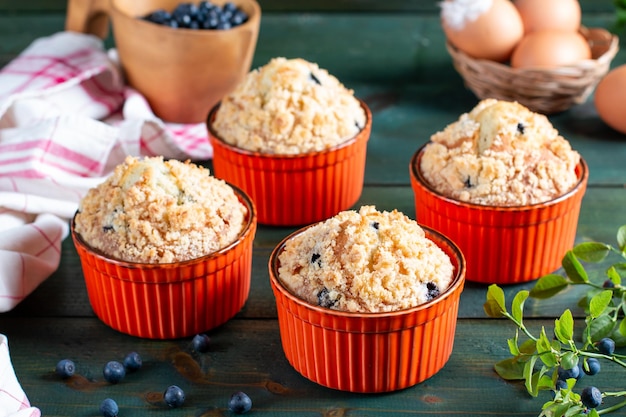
182	73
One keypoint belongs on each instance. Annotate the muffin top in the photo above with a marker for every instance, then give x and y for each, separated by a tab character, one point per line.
366	261
155	211
500	154
289	106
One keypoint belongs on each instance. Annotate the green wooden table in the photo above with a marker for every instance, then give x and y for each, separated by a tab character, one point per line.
393	56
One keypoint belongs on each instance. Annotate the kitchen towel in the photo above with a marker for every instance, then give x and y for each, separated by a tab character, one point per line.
13	401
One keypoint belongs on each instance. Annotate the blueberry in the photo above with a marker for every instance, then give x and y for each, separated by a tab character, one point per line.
433	290
324	299
239	403
314	79
114	372
606	346
560	384
375	225
591	397
565	374
65	368
238	18
230	7
109	408
592	366
159	17
224	25
520	128
608	284
174	396
132	361
200	343
315	258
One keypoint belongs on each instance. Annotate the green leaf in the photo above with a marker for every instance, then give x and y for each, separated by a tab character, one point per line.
621	238
543	343
513	349
593	413
622	327
613	274
529	376
600	327
564	327
599	303
592	251
528	347
569	360
548	359
574	269
510	369
495	305
548	286
517	306
620	267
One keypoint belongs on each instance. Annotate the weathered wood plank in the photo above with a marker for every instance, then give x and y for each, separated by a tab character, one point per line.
247	355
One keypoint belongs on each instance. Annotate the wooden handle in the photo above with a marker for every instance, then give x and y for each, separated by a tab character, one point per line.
88	16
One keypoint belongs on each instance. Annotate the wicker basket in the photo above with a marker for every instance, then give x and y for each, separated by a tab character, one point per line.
541	90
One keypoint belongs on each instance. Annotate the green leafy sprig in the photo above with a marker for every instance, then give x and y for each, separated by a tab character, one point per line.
542	360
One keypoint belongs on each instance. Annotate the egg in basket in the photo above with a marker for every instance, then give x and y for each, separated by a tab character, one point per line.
535	52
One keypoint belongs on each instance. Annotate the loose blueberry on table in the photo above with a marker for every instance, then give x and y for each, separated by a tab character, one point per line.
240	403
132	361
114	372
174	396
201	343
109	408
65	368
204	15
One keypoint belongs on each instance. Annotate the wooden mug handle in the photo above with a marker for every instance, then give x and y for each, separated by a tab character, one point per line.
88	16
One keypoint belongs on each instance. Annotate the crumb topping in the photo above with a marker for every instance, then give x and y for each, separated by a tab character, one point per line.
365	261
500	154
155	211
289	106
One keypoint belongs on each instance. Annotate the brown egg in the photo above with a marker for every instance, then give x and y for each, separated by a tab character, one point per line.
609	98
549	14
550	49
483	33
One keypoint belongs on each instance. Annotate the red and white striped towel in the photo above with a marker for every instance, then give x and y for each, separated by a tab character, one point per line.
66	119
13	401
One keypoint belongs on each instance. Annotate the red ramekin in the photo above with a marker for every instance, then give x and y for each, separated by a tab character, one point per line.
173	300
503	245
369	352
292	190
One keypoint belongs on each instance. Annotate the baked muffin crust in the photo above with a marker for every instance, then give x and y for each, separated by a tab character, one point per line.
500	154
289	106
155	211
365	261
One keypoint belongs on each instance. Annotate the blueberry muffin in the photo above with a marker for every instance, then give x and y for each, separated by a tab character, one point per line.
365	261
155	211
500	154
289	106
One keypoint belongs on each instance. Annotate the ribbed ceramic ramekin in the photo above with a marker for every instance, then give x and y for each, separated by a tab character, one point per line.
503	245
166	301
291	190
369	352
